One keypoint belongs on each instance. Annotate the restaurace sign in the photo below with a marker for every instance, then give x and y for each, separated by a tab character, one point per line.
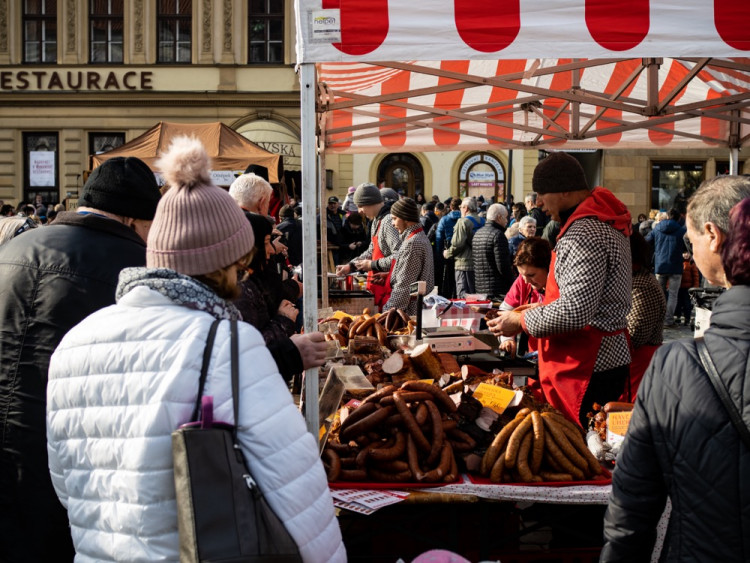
75	80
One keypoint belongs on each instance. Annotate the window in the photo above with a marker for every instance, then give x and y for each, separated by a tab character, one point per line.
672	184
173	20
266	33
40	166
104	142
39	31
402	172
105	17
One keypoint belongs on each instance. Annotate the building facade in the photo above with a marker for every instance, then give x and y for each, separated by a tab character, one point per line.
79	77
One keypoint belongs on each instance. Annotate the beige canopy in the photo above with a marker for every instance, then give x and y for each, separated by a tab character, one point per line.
228	149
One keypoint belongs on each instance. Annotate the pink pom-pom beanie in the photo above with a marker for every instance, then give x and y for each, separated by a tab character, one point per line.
198	228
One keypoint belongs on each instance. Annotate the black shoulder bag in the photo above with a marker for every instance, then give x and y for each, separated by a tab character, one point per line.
222	515
721	390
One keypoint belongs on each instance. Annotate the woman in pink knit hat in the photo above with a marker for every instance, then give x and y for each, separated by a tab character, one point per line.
127	376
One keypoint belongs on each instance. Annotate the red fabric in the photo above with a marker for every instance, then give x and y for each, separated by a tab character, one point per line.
521	293
380	291
566	361
641	358
690	276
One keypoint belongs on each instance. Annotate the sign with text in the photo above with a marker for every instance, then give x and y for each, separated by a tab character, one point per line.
493	397
42	169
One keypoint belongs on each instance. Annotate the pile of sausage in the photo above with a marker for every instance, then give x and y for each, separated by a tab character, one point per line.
398	434
536	447
394	321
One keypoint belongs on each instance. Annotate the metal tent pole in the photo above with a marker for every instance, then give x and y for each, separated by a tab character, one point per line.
309	239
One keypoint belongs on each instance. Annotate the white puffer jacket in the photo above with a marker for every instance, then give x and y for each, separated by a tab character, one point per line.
127	376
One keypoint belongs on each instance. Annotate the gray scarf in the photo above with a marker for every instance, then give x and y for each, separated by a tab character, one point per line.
183	290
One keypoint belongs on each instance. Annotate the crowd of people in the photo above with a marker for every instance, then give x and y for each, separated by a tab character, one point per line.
105	309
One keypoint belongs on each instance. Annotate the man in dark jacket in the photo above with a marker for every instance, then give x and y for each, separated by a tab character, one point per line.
680	442
443	236
534	211
291	234
668	248
53	278
492	272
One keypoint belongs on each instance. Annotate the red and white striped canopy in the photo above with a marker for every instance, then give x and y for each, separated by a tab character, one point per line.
485	86
397	30
533	103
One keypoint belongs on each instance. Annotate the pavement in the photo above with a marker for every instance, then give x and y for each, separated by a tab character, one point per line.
677	332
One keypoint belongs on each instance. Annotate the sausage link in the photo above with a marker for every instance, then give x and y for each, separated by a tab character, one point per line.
437	433
441	397
410	423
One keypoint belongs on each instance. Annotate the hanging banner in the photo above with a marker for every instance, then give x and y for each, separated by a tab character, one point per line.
41	169
380	30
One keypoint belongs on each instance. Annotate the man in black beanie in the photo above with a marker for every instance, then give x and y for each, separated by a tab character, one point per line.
583	349
378	259
414	259
53	278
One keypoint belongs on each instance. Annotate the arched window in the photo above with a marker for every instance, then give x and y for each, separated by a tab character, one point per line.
482	174
402	172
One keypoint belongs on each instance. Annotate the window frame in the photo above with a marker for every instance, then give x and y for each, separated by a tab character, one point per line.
29	191
177	19
267	17
44	20
109	18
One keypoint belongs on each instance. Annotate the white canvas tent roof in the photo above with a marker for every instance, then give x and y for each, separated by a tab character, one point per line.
630	73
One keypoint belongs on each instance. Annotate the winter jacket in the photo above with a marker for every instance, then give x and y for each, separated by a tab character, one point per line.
428	220
388	239
514	243
460	246
348	236
444	232
276	329
291	231
541	219
690	275
122	381
414	263
489	250
668	247
681	445
52	278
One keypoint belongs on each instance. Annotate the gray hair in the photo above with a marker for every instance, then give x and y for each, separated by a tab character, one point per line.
531	198
470	203
251	192
525	220
9	226
496	209
714	198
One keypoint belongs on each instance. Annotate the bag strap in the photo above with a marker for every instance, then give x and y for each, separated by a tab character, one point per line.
234	347
705	358
204	368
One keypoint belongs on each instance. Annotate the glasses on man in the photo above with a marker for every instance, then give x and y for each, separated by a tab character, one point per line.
688	244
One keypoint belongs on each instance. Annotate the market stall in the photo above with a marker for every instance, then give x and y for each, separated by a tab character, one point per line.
477	77
489	84
230	152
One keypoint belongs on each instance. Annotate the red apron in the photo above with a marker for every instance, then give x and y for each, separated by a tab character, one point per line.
566	361
380	290
641	358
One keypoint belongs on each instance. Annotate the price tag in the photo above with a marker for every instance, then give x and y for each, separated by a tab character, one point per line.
494	397
430	381
617	425
322	432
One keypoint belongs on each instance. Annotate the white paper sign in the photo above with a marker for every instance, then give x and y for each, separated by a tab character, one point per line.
41	168
325	25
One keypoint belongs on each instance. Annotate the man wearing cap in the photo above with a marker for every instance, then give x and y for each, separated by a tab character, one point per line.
414	260
379	257
52	279
349	206
583	349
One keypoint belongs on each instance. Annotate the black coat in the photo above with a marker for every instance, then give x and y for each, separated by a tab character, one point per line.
291	230
681	444
52	278
491	257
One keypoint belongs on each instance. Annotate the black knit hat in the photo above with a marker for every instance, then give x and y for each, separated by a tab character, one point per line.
406	209
559	172
124	186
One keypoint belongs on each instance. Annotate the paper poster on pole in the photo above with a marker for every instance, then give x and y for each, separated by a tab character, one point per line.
41	168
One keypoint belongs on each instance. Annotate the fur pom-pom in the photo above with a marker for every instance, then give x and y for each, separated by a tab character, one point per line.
185	163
